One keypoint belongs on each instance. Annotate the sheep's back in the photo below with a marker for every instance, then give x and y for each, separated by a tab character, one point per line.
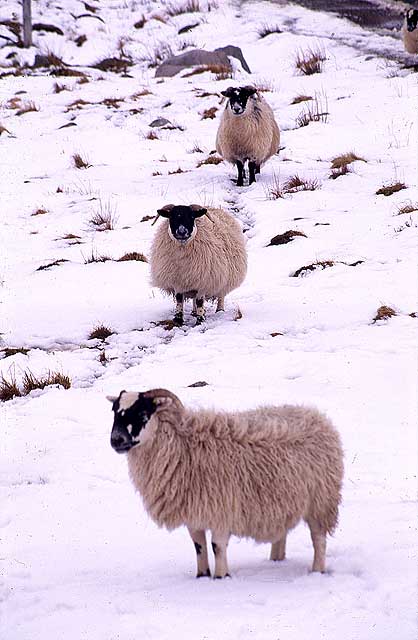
213	263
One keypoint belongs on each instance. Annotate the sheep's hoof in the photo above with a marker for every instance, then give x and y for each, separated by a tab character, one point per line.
205	574
178	320
227	575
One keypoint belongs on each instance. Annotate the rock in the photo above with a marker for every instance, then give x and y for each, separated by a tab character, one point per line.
160	122
200	57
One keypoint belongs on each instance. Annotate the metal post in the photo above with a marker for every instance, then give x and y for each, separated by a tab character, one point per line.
27	23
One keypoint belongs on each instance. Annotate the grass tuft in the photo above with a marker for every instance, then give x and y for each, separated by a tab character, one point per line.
133	255
9	388
407	207
31	382
209	113
317	111
221	71
303	271
286	237
27	107
301	98
190	6
384	312
389	189
310	61
10	351
79	162
267	29
56	263
95	257
213	159
104	218
100	333
295	184
39	212
344	159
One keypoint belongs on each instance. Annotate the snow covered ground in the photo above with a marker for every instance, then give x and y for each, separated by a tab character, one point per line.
80	559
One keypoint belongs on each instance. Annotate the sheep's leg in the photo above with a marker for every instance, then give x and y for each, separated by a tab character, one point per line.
194	309
241	173
257	168
178	316
252	168
200	310
221	304
278	549
199	540
319	541
219	546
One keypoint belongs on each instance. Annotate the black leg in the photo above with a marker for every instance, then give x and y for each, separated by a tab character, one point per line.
257	168
252	167
200	310
241	173
178	316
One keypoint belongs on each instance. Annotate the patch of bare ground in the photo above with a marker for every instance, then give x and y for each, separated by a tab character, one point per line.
286	237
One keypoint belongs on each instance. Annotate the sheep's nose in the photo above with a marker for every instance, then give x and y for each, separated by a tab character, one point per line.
182	232
120	442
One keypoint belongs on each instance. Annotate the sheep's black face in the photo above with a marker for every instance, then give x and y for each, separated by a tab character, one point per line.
182	227
132	412
238	98
412	19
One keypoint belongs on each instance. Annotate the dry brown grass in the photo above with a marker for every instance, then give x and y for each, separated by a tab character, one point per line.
133	255
301	98
267	29
96	257
389	189
303	271
39	212
286	237
12	351
101	332
310	61
79	162
406	207
221	71
178	170
104	218
384	312
31	382
151	135
141	93
345	159
209	113
27	107
9	388
296	183
341	171
315	111
212	159
57	87
55	263
3	130
190	6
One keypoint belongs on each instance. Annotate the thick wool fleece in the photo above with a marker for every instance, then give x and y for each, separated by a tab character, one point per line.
212	263
253	135
251	474
410	39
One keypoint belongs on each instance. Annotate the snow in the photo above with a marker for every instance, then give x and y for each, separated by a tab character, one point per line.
80	557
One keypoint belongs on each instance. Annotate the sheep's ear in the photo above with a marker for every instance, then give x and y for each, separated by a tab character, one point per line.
249	90
228	92
166	210
197	210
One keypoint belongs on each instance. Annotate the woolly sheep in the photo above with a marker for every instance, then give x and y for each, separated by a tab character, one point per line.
247	131
197	253
410	31
250	474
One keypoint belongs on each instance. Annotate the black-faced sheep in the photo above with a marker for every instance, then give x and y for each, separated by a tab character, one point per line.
197	253
250	474
247	131
410	31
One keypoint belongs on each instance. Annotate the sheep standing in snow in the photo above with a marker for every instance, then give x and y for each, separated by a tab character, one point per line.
197	253
247	131
250	474
410	31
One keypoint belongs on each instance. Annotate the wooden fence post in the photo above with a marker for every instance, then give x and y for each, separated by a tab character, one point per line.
27	23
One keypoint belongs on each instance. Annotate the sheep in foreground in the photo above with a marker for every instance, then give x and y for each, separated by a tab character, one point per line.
247	131
250	474
197	253
410	31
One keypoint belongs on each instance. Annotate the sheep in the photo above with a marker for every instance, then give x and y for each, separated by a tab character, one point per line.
197	253
247	131
410	31
253	473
